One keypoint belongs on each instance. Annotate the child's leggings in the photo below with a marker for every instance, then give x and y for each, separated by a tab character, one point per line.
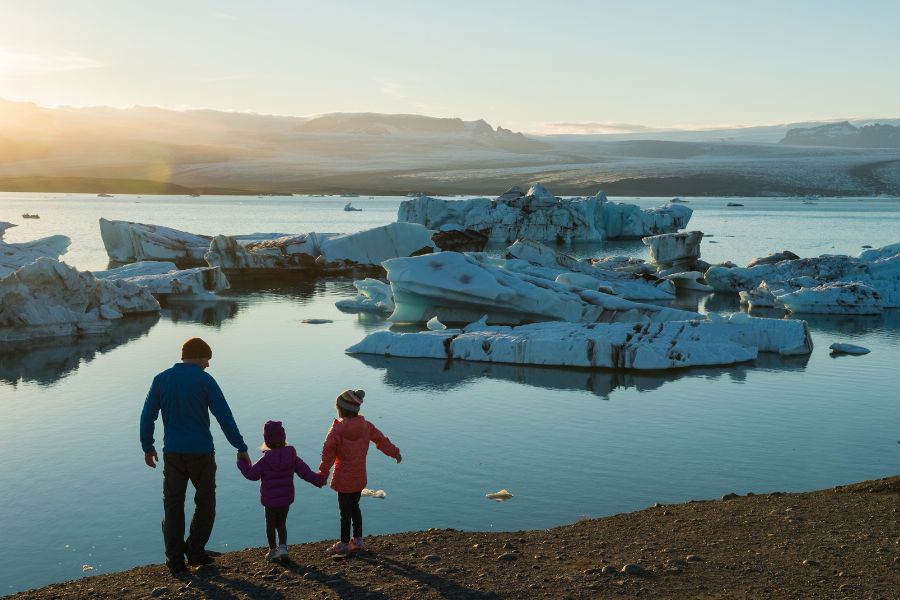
276	520
349	505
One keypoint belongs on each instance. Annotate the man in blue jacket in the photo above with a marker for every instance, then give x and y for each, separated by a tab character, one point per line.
186	394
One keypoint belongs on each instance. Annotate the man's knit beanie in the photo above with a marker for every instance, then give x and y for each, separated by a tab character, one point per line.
273	434
351	400
196	348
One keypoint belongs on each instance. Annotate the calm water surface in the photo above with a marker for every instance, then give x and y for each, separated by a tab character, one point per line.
568	443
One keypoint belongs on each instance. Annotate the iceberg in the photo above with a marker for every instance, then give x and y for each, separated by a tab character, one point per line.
4	225
16	255
668	345
47	298
324	251
460	288
540	216
165	279
839	297
843	348
372	296
669	249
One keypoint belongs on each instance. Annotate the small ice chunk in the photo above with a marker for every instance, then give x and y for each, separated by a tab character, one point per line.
435	325
838	348
86	568
501	496
316	321
373	493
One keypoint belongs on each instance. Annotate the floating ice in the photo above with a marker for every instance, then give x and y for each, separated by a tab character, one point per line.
372	296
165	279
16	255
322	250
838	348
461	288
316	321
839	297
4	225
540	216
674	248
688	280
434	325
674	344
86	568
47	298
501	496
373	493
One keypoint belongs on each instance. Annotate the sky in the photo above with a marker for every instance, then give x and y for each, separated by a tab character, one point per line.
542	67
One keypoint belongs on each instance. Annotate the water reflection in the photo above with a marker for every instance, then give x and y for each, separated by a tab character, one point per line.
435	374
212	313
47	361
292	286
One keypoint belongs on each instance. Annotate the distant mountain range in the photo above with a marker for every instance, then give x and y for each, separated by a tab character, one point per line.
156	150
843	134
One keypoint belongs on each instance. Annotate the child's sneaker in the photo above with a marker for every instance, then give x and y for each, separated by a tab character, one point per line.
283	553
272	554
357	544
338	548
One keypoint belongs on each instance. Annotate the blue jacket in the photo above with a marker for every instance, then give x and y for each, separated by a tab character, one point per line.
186	394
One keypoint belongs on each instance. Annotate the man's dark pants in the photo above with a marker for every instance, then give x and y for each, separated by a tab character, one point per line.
200	470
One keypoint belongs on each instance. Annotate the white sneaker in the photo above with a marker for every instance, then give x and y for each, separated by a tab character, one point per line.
272	554
283	553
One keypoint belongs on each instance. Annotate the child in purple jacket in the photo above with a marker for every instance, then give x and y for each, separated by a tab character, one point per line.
276	468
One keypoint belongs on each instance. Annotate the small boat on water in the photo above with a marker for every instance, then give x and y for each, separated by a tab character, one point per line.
350	208
31	216
104	195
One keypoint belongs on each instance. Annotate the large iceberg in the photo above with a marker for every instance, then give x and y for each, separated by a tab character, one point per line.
828	284
669	345
47	298
367	248
540	216
16	255
460	288
165	279
674	248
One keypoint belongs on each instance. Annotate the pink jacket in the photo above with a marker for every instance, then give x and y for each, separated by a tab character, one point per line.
346	446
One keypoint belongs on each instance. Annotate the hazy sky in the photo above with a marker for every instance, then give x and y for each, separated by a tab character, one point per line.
523	65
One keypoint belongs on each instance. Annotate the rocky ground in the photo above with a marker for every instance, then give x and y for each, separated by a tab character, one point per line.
838	543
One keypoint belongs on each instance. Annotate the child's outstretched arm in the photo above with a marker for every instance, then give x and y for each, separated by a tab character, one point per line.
383	443
329	451
253	473
306	474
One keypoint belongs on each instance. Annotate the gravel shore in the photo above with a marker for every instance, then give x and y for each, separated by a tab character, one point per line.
837	543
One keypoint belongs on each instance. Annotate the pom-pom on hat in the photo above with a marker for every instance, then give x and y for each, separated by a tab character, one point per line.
273	433
351	400
196	348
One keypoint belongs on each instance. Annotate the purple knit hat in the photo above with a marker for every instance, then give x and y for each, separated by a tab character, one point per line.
273	433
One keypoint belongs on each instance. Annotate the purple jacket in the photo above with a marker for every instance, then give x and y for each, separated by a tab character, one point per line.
276	468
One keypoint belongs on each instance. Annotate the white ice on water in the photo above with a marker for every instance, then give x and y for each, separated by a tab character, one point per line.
540	216
166	279
16	255
47	298
372	296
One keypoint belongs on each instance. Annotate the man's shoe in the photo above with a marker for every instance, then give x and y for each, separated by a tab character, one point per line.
357	545
338	549
176	567
272	554
199	561
283	555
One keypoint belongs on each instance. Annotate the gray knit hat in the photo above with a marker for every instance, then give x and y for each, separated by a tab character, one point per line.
351	400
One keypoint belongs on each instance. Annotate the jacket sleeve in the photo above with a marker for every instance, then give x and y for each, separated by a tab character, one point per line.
382	442
148	417
329	451
220	410
255	472
306	474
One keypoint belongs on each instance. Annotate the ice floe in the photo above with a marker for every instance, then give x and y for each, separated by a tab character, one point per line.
540	216
4	225
460	288
16	255
841	348
372	296
128	242
165	279
367	493
673	344
501	496
313	250
669	249
47	298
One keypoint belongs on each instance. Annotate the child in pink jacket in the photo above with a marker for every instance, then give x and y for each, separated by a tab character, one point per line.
346	446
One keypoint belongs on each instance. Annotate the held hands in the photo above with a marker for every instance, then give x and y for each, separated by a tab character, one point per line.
243	457
399	458
150	458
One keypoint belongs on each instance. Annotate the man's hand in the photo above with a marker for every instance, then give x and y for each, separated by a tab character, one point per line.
399	458
244	457
151	459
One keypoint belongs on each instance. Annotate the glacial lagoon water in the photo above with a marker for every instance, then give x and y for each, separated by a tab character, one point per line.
567	443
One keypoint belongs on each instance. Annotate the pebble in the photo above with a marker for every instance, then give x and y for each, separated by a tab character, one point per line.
811	563
730	496
432	558
124	590
159	591
633	569
507	556
693	558
592	571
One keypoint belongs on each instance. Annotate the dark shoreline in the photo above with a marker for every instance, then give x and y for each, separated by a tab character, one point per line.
839	542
